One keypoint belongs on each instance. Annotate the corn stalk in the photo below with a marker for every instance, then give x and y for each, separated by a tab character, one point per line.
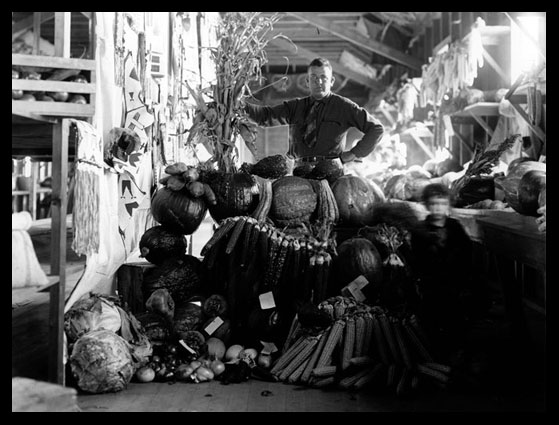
238	58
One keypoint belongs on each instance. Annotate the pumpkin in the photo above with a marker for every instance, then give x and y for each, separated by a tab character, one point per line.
293	201
529	188
357	256
159	243
509	183
178	211
236	194
273	167
356	198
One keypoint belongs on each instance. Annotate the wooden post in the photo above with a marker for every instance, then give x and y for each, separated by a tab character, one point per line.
428	43
58	249
62	21
36	33
33	189
456	24
437	31
446	20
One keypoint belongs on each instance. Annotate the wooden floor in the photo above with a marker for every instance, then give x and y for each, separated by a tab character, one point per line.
259	396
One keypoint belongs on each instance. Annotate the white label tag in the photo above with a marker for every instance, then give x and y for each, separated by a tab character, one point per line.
353	289
214	324
267	300
269	348
198	303
181	342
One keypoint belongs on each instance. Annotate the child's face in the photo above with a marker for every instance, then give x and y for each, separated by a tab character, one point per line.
438	206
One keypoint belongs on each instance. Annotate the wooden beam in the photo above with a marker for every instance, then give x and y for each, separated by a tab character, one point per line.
62	21
421	144
482	123
58	240
359	39
405	31
25	24
336	67
36	33
493	63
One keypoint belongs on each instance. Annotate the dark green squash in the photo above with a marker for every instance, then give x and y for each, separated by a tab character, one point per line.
356	199
177	210
273	167
510	182
236	194
159	243
329	169
357	256
293	201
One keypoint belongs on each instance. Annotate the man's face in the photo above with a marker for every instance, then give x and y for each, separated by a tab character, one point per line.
320	80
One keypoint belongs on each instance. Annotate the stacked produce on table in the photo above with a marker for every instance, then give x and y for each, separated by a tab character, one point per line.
363	346
30	73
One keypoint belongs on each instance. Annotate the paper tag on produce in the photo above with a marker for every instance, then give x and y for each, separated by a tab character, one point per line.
214	324
353	289
198	303
267	300
181	342
269	348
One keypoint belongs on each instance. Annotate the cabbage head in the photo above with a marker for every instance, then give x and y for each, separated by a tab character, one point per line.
101	362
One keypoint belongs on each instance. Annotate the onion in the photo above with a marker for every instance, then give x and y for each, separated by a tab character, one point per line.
233	352
216	348
251	353
217	367
204	374
264	360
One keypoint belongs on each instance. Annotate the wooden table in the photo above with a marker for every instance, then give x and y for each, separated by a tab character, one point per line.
512	236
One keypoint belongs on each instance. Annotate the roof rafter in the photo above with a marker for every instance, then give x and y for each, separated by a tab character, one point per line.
336	66
359	39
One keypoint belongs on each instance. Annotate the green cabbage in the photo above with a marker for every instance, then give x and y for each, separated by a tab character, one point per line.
101	362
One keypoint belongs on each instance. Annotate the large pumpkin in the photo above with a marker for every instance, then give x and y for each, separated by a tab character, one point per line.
178	210
293	201
357	256
356	198
236	194
529	188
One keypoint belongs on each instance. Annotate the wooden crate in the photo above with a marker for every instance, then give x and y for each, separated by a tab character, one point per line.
52	70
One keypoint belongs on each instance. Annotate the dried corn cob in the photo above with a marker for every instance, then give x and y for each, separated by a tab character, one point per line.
390	338
368	337
373	374
291	352
348	343
432	373
324	382
324	371
224	228
419	347
316	354
349	381
334	336
359	336
296	375
402	343
293	330
237	231
380	342
299	358
404	384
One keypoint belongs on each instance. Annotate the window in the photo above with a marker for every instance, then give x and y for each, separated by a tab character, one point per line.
526	44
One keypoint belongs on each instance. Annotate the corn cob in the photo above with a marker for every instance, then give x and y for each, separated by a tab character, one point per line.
359	336
296	375
324	371
361	361
420	348
403	387
391	378
339	309
390	338
416	326
438	366
414	382
437	375
380	342
249	226
324	382
373	374
402	344
349	342
335	335
212	254
368	335
291	352
349	381
293	330
298	359
329	310
315	355
237	231
221	231
280	262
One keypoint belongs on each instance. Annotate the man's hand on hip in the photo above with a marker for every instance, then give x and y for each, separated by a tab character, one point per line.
347	157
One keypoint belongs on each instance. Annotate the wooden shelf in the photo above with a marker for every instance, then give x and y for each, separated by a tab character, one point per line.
58	109
479	109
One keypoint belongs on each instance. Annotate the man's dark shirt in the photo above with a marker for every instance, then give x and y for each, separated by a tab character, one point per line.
337	117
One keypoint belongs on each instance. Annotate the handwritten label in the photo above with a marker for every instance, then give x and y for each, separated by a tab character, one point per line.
354	288
269	348
181	342
267	300
214	325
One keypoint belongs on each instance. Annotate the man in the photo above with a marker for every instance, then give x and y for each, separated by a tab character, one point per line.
319	122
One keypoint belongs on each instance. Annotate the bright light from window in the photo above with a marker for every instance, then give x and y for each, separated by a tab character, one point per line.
524	52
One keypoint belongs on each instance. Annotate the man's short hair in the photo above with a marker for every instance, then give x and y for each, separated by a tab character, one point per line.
321	62
435	190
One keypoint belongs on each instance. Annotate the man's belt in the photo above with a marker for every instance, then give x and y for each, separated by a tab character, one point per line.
316	158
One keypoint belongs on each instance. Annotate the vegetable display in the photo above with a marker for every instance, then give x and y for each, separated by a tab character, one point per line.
356	199
159	243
